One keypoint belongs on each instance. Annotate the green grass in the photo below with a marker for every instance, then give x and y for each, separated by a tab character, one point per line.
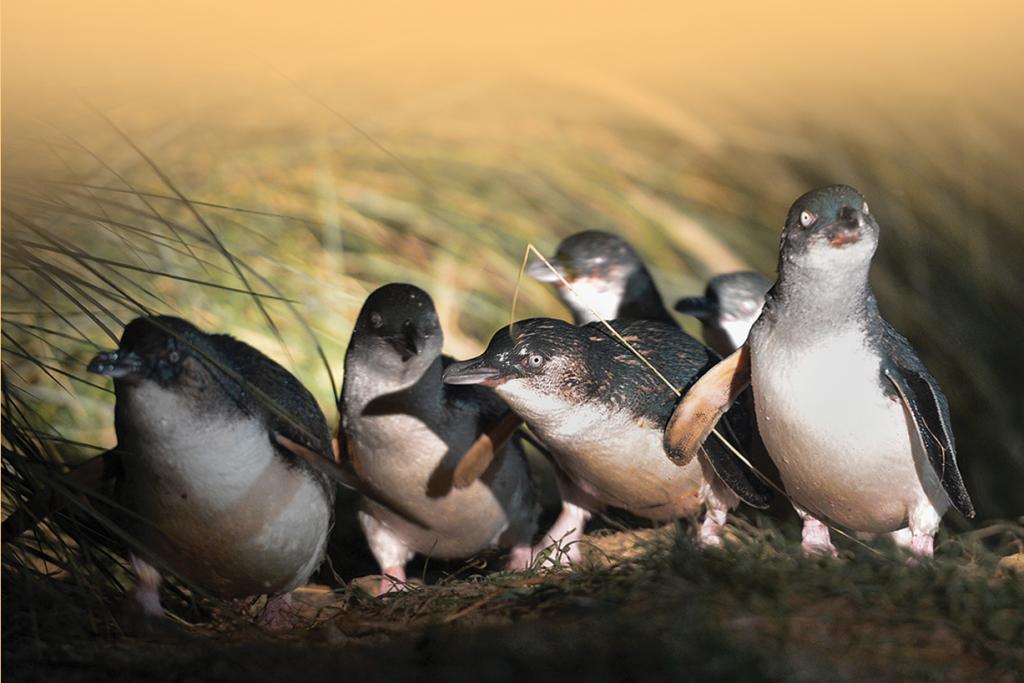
310	210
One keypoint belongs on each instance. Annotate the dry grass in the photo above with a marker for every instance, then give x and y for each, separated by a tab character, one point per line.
277	232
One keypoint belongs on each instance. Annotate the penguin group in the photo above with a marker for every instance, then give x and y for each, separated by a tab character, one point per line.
229	468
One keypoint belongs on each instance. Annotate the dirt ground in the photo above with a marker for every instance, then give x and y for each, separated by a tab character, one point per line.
648	607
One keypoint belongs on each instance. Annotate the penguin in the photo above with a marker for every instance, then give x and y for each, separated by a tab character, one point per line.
602	413
205	465
729	307
405	435
857	426
609	280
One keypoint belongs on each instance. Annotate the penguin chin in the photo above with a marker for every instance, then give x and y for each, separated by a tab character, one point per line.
844	239
825	253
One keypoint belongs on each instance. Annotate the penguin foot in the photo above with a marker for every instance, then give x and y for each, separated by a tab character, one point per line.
277	613
141	613
393	580
901	537
147	598
922	546
561	543
710	534
816	540
520	558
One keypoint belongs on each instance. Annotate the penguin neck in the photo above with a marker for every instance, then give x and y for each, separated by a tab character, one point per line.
641	299
815	301
393	394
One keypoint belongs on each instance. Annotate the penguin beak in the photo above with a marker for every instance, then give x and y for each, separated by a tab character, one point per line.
849	228
404	344
539	270
116	364
697	306
408	342
475	371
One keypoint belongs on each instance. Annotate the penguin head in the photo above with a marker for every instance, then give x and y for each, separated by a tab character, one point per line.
526	362
831	229
599	267
399	329
159	348
730	297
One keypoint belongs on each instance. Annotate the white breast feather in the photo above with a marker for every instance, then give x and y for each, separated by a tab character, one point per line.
843	447
593	296
605	451
246	517
737	330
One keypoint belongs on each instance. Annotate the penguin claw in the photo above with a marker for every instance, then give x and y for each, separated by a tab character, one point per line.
819	550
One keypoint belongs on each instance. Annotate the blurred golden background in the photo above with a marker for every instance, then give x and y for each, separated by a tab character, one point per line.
324	150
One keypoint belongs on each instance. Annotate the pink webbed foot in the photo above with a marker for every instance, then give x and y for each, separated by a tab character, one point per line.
710	534
147	601
816	540
277	614
520	558
563	550
142	613
394	579
561	543
922	546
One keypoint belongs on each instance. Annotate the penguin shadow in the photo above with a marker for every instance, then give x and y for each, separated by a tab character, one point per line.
443	426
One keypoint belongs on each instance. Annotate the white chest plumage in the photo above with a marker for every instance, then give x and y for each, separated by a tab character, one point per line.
593	299
737	330
407	460
608	453
844	448
221	507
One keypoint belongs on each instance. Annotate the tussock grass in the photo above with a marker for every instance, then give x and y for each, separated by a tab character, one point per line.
275	232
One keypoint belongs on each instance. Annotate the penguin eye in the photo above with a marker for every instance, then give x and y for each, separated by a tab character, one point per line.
173	355
376	320
806	218
535	360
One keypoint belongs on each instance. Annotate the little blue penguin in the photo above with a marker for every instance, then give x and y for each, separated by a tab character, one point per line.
602	413
206	428
729	307
609	279
857	426
404	433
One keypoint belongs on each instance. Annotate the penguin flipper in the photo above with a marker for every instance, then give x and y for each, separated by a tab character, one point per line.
481	454
923	398
697	306
731	464
704	405
926	403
